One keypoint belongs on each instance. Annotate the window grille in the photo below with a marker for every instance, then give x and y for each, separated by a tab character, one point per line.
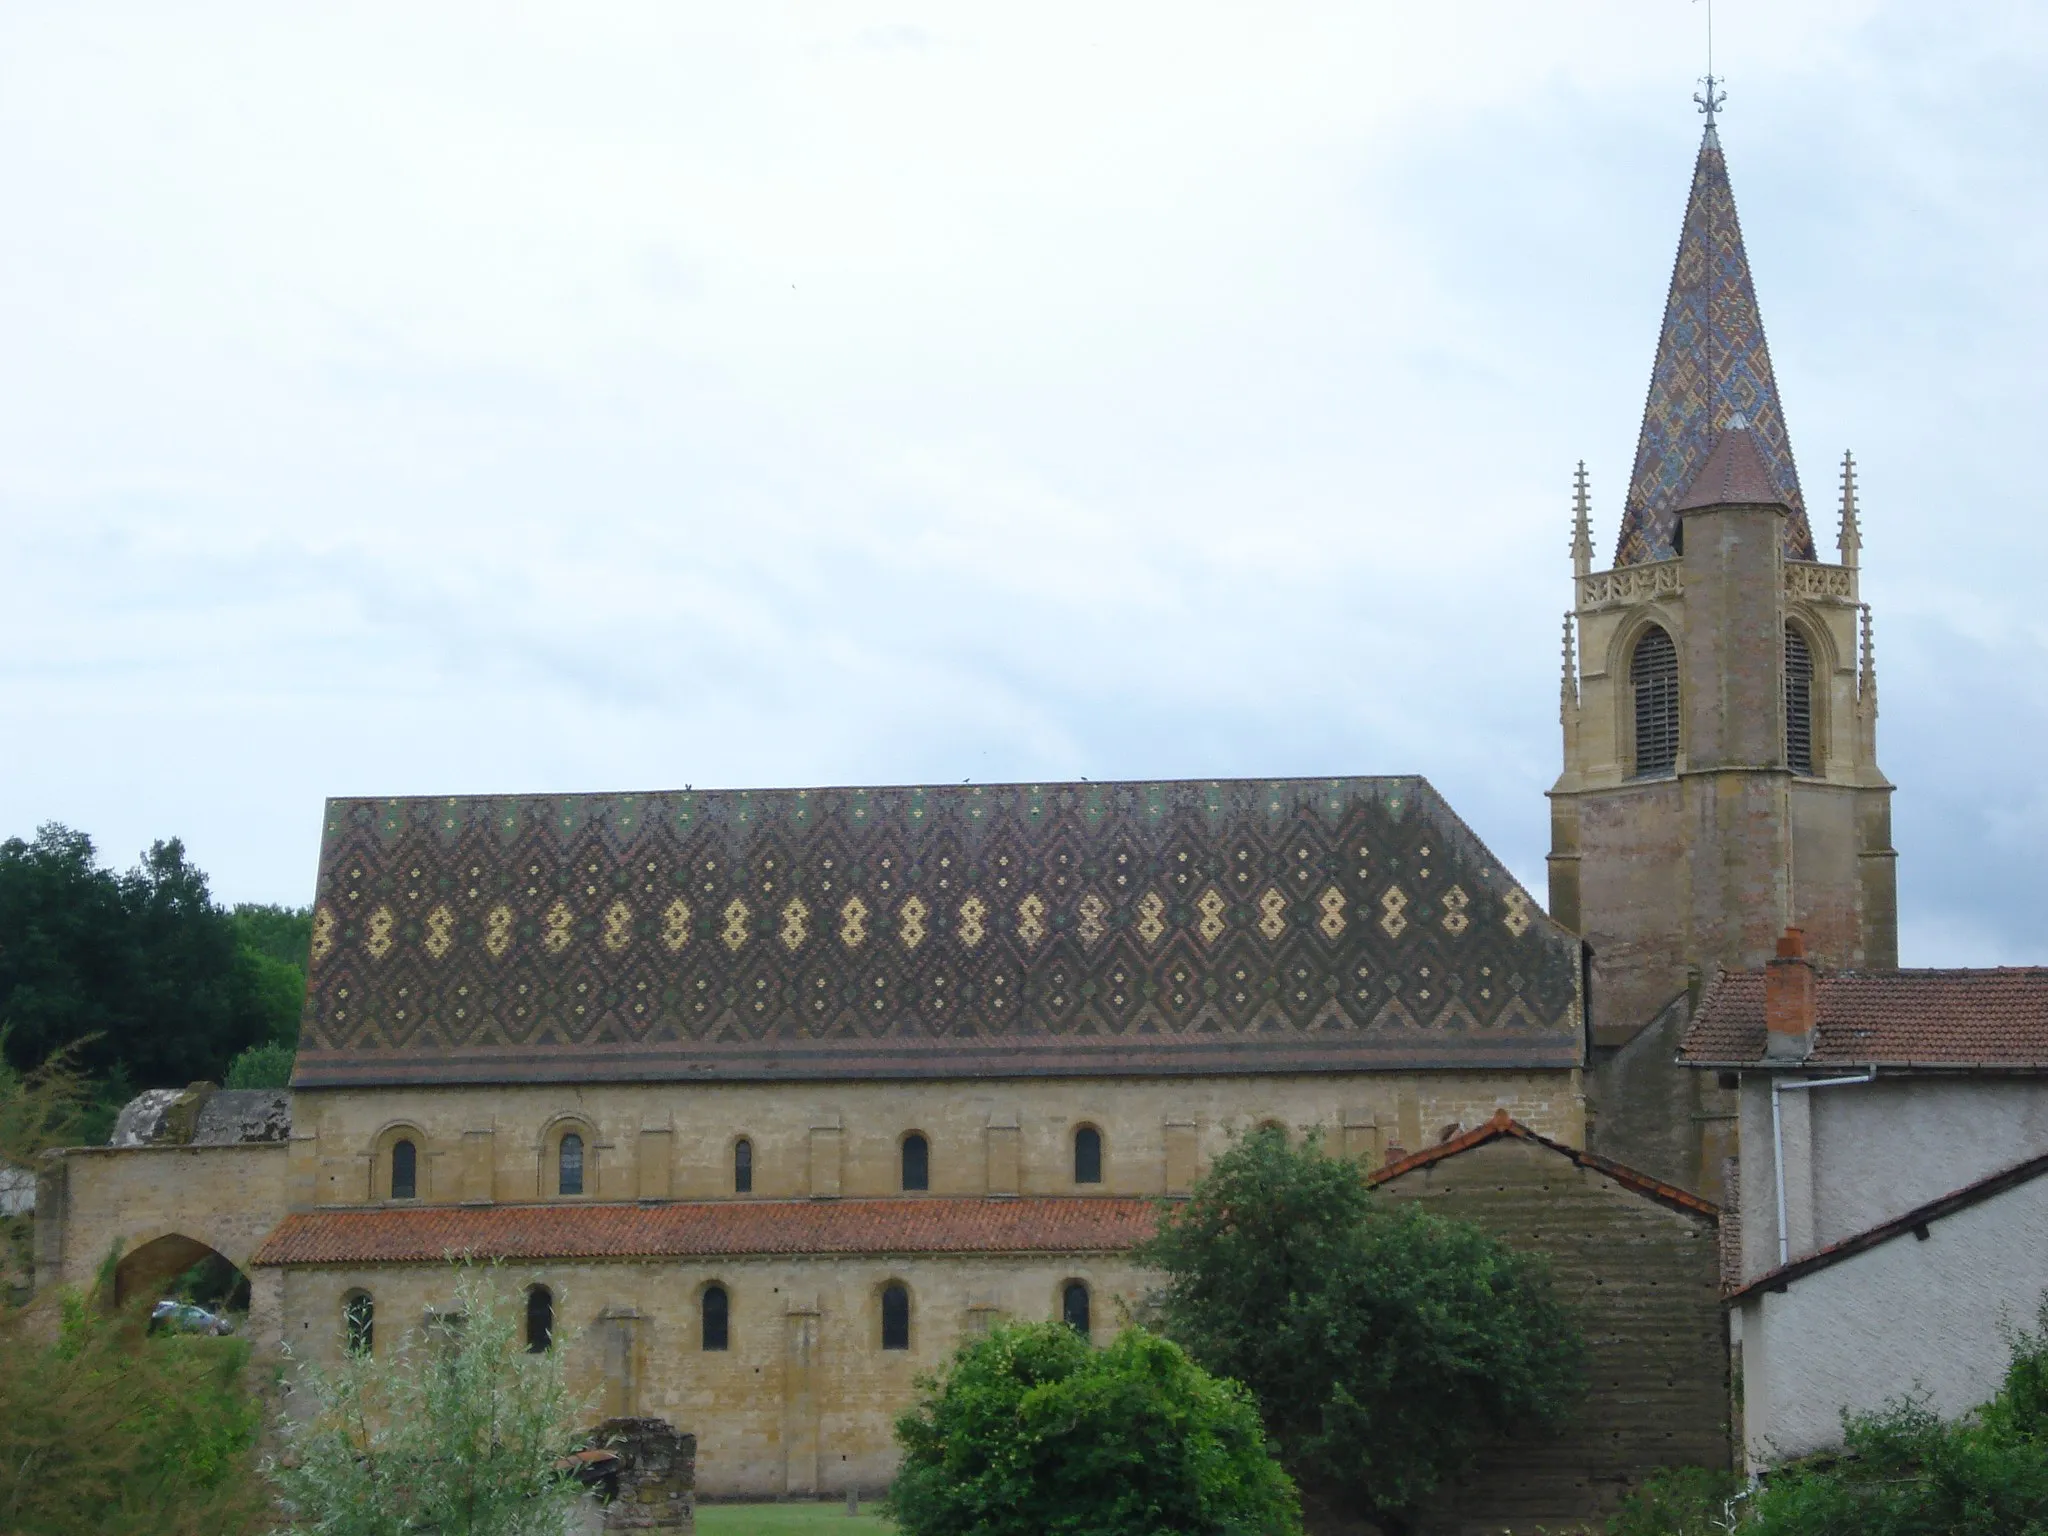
743	1167
540	1320
1087	1155
717	1308
405	1170
1798	702
1074	1307
917	1162
1653	671
569	1165
895	1317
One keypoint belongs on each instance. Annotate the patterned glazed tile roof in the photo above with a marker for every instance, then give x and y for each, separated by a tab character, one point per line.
968	930
1991	1019
1505	1125
1712	361
708	1229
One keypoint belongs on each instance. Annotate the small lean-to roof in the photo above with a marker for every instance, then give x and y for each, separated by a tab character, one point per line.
1712	364
960	931
709	1229
1503	1125
1990	1020
1915	1221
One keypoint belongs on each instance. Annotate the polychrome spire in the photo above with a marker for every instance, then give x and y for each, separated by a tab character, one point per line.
1712	363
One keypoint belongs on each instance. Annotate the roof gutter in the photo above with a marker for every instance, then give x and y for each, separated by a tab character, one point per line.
1778	1085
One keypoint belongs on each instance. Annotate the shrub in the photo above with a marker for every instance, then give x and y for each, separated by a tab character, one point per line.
1385	1345
1033	1432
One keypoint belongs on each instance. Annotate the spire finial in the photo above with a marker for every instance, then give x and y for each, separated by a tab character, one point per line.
1851	539
1711	99
1568	687
1867	680
1582	524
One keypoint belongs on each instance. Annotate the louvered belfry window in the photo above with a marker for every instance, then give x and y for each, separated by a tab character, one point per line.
1798	701
1653	672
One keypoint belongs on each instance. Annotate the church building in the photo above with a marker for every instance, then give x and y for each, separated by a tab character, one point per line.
764	1099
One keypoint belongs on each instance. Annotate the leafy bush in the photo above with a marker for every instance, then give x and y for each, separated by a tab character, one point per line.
1385	1345
456	1430
105	1431
262	1066
1684	1501
1033	1432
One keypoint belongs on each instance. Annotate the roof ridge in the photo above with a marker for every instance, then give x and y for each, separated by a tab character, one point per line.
1502	1124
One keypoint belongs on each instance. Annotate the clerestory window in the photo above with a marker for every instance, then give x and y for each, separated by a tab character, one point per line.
405	1170
1653	673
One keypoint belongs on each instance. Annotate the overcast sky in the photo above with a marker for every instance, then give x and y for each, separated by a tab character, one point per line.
456	399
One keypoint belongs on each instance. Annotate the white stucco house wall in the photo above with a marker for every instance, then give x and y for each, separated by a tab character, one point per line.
1891	1124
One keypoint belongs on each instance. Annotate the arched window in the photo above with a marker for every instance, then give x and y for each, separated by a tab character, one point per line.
743	1167
895	1316
917	1164
569	1165
717	1316
1074	1306
1653	673
1798	702
1087	1155
405	1170
540	1320
358	1322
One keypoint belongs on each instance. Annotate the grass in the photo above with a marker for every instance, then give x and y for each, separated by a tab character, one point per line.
794	1519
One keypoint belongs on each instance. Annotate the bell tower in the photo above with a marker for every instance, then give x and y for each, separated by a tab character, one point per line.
1719	695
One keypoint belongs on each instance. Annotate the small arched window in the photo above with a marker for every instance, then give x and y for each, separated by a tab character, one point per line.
743	1167
1087	1155
540	1320
1798	701
1074	1306
405	1170
717	1308
1653	674
358	1323
569	1165
895	1316
917	1163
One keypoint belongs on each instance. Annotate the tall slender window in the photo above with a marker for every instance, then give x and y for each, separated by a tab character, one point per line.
743	1167
1074	1306
1087	1155
569	1165
358	1323
895	1316
717	1308
917	1163
540	1320
1653	673
405	1170
1798	702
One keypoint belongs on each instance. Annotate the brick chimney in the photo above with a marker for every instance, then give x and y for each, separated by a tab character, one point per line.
1791	1001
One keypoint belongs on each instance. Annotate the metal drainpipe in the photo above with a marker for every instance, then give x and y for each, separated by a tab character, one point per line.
1868	1075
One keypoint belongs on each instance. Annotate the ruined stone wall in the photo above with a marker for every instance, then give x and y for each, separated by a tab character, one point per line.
1647	1280
661	1142
803	1399
90	1199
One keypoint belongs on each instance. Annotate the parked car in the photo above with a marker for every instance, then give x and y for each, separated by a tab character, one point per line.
183	1317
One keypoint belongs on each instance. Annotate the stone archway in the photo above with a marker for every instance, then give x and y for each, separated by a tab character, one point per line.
147	1271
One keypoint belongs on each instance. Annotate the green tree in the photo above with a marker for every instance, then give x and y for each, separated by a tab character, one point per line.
456	1431
1385	1345
1034	1432
274	942
142	972
106	1431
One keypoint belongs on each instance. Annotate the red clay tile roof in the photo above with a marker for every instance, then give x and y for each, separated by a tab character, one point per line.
429	1233
1504	1124
1947	1205
1990	1019
1734	475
